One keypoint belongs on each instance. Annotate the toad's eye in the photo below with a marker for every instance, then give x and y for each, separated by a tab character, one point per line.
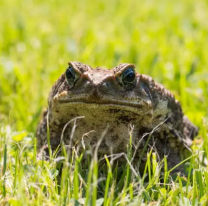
71	76
70	73
128	78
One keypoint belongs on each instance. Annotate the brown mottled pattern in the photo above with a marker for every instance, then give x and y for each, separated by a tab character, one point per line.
98	101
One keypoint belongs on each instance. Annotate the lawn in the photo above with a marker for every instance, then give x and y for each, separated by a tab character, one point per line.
164	39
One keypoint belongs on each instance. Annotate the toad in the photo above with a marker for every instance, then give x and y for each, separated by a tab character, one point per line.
87	106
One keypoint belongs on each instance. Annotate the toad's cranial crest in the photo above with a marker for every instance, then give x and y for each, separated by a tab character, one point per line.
115	99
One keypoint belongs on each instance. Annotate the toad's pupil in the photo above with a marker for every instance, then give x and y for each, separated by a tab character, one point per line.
70	73
129	75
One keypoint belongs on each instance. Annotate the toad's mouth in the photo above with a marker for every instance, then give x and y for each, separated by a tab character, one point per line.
63	98
135	105
113	104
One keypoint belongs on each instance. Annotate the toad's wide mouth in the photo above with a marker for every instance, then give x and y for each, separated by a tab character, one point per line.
114	102
134	102
103	103
108	103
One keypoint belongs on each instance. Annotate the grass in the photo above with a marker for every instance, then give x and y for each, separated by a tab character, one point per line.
166	39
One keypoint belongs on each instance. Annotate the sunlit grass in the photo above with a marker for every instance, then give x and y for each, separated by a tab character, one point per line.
166	39
87	180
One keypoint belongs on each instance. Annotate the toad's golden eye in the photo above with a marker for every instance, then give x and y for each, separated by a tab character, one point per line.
128	78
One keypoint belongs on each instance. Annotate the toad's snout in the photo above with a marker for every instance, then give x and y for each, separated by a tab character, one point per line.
95	87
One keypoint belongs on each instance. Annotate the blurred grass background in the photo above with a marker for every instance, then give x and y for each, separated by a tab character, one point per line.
164	39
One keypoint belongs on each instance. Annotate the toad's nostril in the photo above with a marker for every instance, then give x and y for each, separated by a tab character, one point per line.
104	87
105	84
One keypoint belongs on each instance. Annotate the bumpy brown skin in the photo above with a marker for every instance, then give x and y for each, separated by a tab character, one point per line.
109	107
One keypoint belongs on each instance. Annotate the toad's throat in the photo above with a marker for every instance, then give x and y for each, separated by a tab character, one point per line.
97	109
